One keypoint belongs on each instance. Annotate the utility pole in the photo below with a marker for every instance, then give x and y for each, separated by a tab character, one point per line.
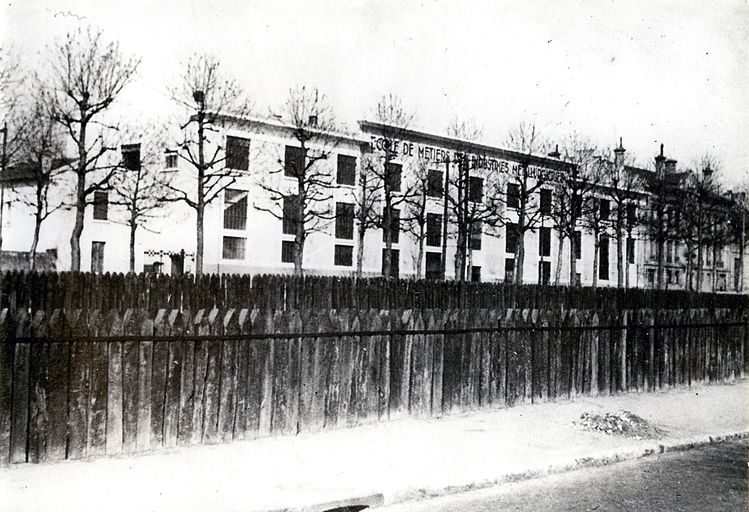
4	129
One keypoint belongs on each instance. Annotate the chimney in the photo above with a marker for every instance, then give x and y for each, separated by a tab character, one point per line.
312	121
707	171
619	155
670	166
555	153
659	160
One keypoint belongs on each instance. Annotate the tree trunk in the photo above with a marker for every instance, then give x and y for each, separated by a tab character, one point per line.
200	210
626	262
619	252
573	261
133	227
560	257
520	257
80	199
360	252
300	235
75	237
661	263
35	239
596	246
420	256
387	222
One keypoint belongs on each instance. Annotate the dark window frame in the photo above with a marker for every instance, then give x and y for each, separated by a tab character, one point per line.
293	161
435	183
544	241
235	213
513	195
344	220
434	230
476	189
237	154
240	248
346	170
343	255
101	205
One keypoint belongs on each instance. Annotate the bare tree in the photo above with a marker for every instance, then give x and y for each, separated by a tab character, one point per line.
40	150
393	120
140	186
526	139
86	75
658	220
702	214
208	96
366	198
309	200
13	119
474	200
624	187
596	218
569	201
415	215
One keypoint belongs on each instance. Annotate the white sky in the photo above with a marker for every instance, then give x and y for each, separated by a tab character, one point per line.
649	71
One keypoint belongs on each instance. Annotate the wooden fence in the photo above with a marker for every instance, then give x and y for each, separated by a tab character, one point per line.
75	290
76	384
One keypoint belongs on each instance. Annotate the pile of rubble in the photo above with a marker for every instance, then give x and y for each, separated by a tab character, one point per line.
622	423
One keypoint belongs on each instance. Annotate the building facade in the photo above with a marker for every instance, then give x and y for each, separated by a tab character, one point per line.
247	229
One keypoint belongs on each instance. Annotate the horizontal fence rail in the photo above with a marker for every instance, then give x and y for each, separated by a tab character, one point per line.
310	335
81	383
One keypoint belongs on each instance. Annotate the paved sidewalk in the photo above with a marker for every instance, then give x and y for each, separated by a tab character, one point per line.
399	460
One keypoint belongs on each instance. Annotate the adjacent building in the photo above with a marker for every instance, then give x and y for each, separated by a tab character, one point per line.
249	230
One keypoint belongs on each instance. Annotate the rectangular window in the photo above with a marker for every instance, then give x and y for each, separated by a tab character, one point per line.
509	270
395	218
433	265
545	206
237	153
393	176
101	205
513	195
434	229
287	251
603	258
289	215
605	206
475	274
475	189
476	230
435	185
651	276
344	256
511	237
235	209
578	245
346	170
293	163
630	250
669	251
131	156
544	272
233	248
170	159
652	250
344	221
394	262
631	214
97	257
544	242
